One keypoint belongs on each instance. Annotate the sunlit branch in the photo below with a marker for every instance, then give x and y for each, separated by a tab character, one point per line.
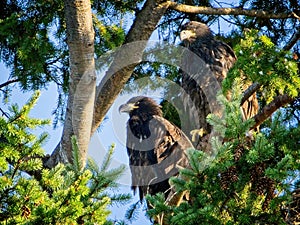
269	109
231	11
250	91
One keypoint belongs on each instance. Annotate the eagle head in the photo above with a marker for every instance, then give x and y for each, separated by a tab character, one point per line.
141	105
193	30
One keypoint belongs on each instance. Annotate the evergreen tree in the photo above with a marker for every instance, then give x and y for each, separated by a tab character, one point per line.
247	182
33	45
65	194
251	177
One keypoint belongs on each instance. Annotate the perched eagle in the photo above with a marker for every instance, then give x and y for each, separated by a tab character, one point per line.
216	54
155	146
219	57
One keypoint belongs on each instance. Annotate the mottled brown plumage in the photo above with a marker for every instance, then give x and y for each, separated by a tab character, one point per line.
219	58
154	145
216	54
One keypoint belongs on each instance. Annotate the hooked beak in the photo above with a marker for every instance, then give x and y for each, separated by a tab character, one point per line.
127	108
186	35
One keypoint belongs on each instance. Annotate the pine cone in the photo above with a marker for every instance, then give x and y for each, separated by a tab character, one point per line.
266	203
232	171
265	186
229	176
257	171
260	186
238	152
26	211
225	180
270	187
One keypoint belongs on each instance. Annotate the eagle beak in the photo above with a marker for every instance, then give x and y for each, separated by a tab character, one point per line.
186	35
127	107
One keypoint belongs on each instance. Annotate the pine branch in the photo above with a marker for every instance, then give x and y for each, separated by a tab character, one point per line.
107	158
131	213
269	109
77	163
4	113
93	166
231	11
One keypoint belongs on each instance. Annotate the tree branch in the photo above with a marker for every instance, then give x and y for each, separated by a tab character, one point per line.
142	28
250	91
230	11
5	114
8	82
269	109
293	41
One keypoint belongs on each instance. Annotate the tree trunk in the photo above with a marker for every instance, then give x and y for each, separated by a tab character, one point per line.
81	98
80	41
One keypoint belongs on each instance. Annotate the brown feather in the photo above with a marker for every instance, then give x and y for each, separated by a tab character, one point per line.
155	147
219	57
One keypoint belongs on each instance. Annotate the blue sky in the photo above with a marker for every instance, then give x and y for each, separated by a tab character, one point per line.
44	108
112	131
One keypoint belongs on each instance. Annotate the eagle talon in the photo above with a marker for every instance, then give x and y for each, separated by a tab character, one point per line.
197	132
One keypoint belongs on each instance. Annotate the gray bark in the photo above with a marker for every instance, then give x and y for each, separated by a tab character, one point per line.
80	41
82	84
144	24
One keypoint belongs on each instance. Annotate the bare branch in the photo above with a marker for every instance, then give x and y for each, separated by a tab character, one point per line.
8	82
4	113
269	109
231	11
293	41
250	91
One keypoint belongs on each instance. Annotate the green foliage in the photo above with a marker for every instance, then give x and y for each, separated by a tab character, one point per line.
278	30
18	145
114	8
231	116
24	34
37	28
245	182
31	194
108	36
170	113
259	60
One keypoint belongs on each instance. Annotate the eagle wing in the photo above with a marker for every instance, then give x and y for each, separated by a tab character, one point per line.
155	156
219	58
218	55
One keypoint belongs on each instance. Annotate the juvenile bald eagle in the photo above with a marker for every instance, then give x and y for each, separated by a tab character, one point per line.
154	145
219	57
216	54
